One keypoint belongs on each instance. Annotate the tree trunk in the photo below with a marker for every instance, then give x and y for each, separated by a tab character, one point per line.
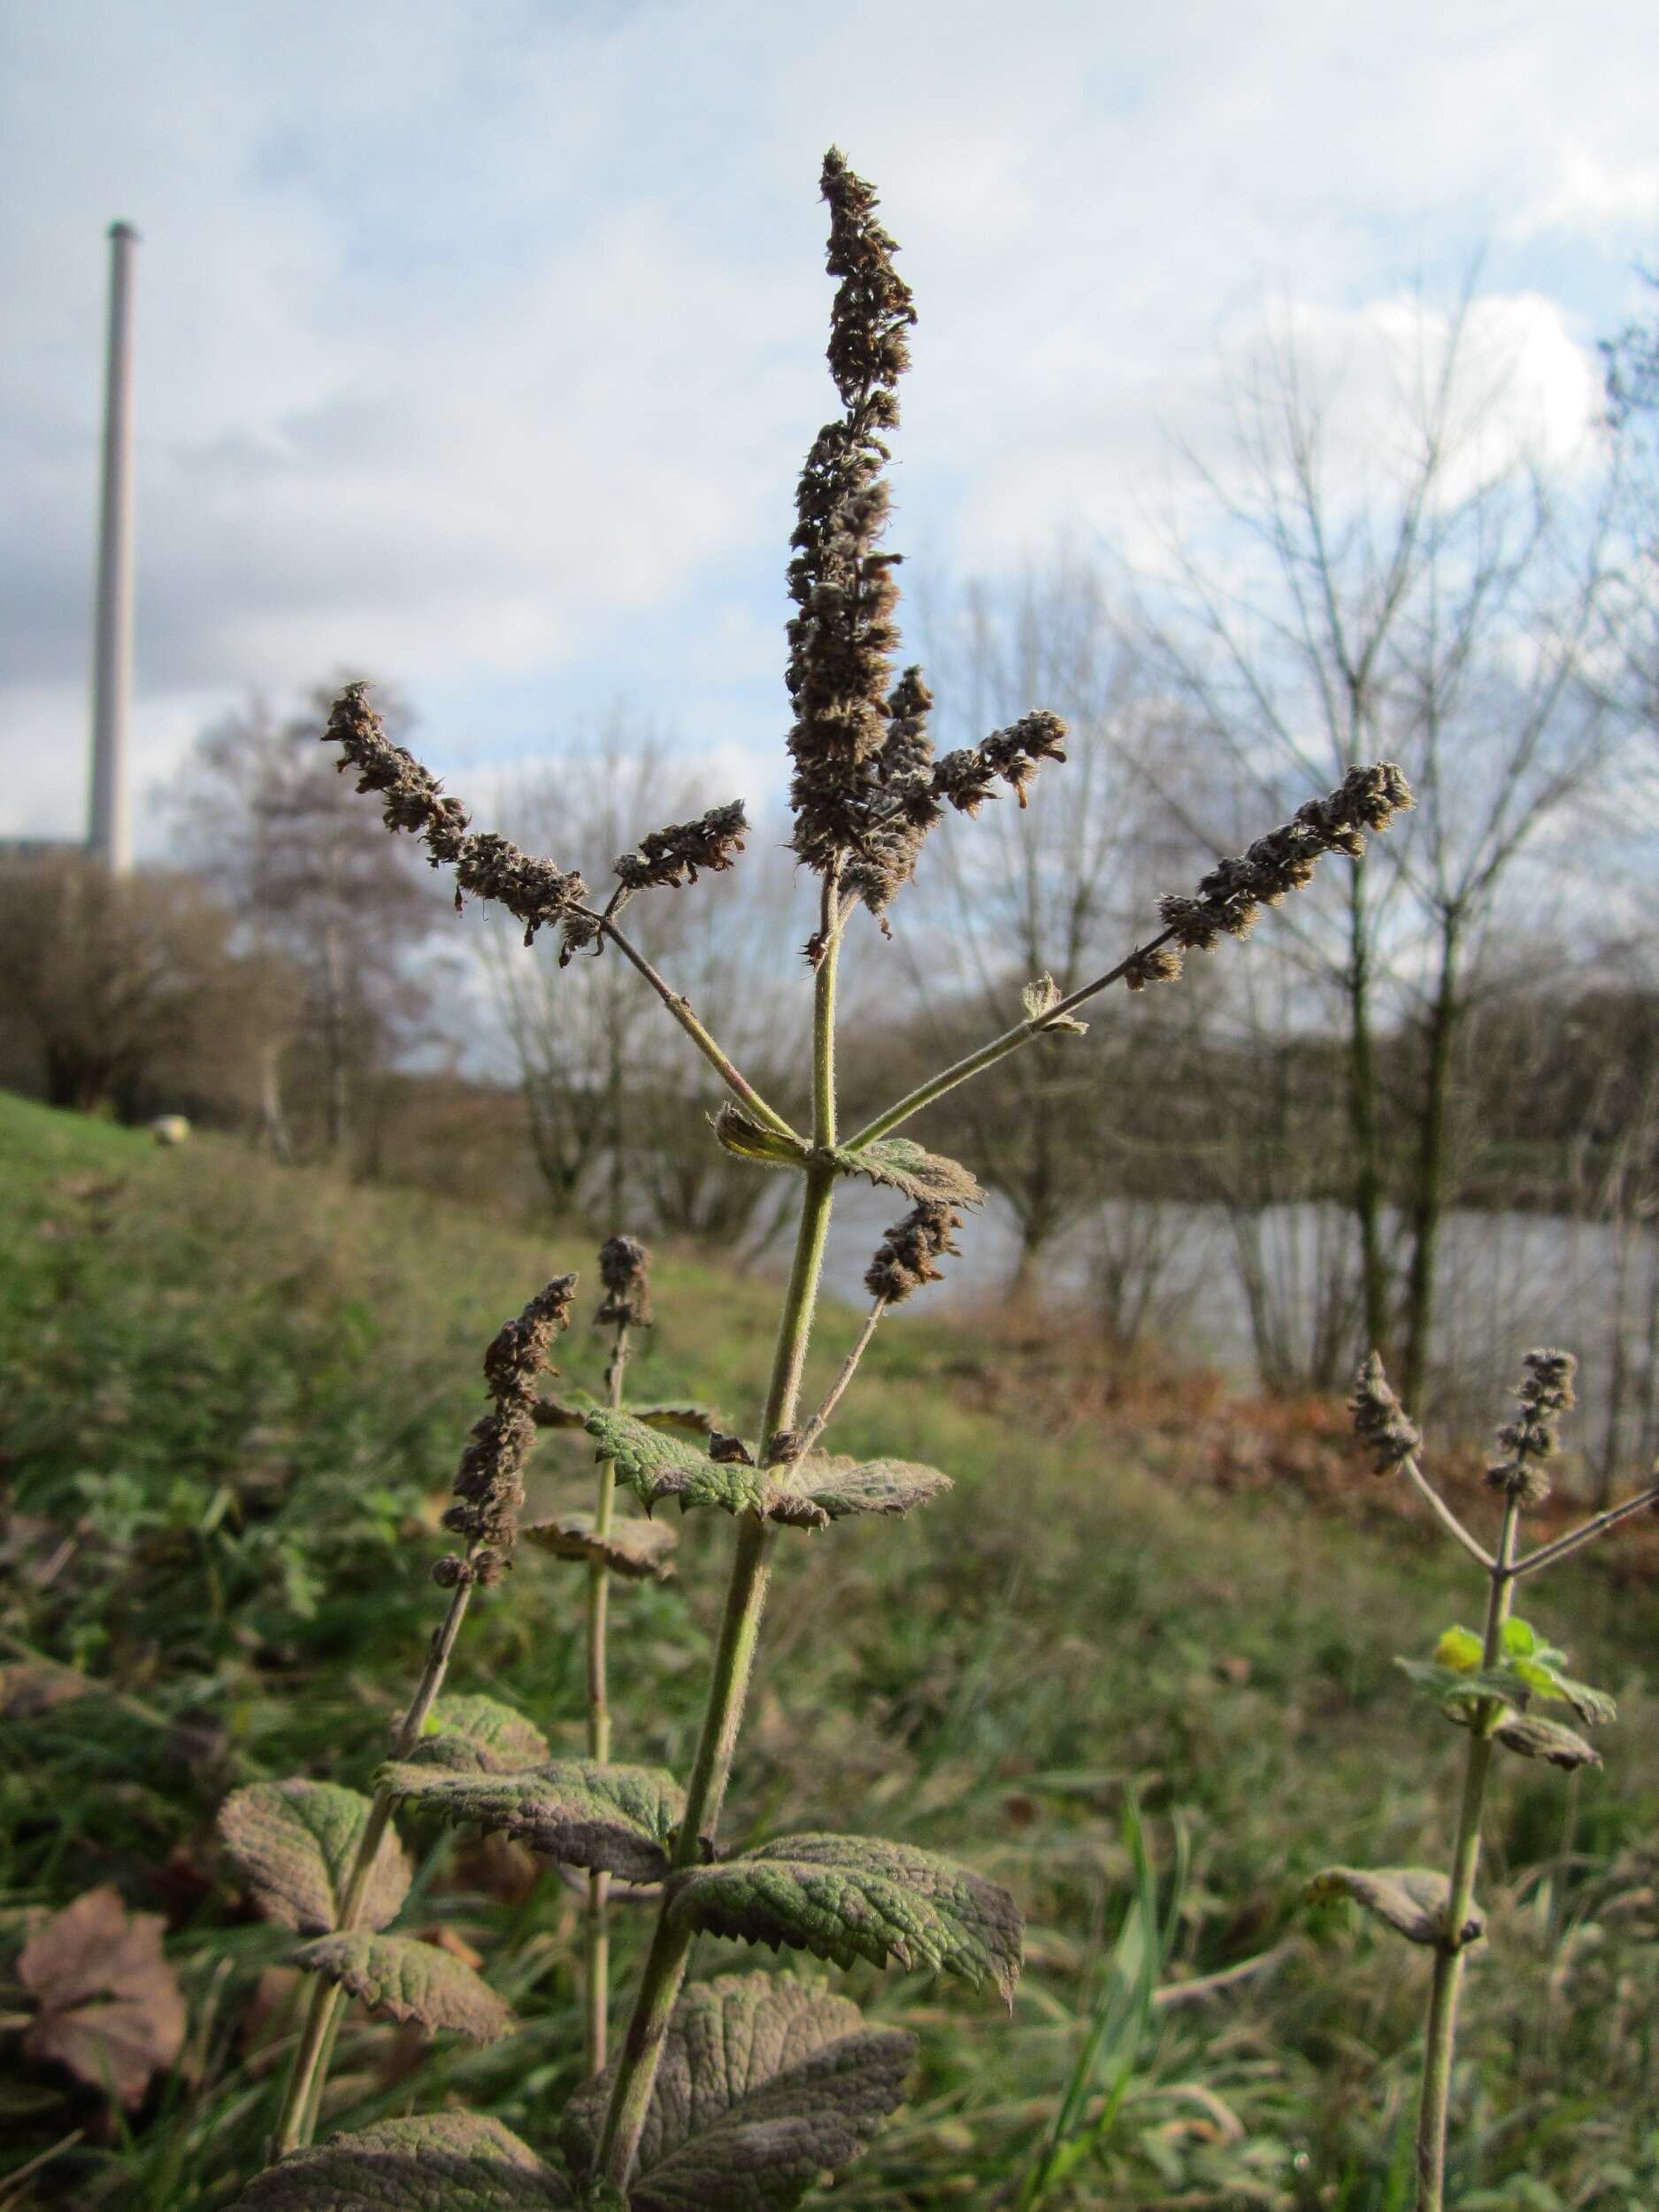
1428	1191
1362	1116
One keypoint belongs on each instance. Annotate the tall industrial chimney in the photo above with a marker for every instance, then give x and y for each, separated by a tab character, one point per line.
109	830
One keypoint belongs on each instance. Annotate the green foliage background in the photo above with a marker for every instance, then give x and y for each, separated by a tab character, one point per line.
231	1400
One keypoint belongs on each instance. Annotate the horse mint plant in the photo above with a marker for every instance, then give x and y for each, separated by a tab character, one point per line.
1486	1682
748	2089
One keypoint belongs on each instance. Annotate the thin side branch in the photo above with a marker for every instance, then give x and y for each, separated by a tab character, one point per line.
1547	1554
680	1006
999	1047
1448	1520
819	1422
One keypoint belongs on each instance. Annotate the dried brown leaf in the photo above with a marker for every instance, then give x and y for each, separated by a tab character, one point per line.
110	2008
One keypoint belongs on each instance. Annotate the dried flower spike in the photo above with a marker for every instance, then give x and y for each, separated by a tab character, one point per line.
840	640
1544	1394
671	856
624	1264
1380	1419
489	867
489	1483
904	1259
1283	861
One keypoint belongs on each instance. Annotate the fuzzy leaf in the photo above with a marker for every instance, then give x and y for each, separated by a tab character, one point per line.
1531	1739
686	1420
1449	1687
767	2083
830	1489
614	1819
751	1140
634	1548
859	1897
293	1843
1520	1638
1593	1707
473	1734
1037	998
910	1167
1410	1899
410	1981
109	2006
444	2162
655	1466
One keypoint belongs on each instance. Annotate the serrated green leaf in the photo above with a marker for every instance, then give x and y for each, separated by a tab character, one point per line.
1448	1687
610	1819
905	1165
1531	1738
767	2083
655	1465
446	2162
409	1980
634	1548
1459	1649
1411	1899
1520	1638
473	1734
1593	1707
294	1842
825	1487
859	1897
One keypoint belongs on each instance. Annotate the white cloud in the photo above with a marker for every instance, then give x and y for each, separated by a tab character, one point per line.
480	342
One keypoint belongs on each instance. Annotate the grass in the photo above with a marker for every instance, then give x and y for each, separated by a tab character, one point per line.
231	1398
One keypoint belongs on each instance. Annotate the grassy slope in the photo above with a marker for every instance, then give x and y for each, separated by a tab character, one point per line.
231	1399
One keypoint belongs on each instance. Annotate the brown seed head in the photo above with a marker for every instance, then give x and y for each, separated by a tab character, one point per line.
535	891
1544	1393
624	1263
904	1259
490	1482
1283	861
671	856
1380	1419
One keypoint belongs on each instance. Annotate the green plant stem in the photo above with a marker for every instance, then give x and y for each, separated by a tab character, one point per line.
664	1968
303	2095
998	1048
597	1989
1440	2034
680	1006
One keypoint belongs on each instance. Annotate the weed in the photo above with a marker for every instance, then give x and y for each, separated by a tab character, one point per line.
746	2085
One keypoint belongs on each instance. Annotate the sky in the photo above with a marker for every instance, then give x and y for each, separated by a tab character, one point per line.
478	341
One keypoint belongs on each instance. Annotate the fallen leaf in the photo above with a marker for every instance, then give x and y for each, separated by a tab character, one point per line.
109	2006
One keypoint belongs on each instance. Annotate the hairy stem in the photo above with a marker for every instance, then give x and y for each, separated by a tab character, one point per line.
680	1006
1547	1554
597	1990
998	1048
665	1968
1440	2035
302	2096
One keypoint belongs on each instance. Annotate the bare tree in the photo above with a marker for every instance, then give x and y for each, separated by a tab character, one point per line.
1041	889
1403	579
128	992
266	819
618	1123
